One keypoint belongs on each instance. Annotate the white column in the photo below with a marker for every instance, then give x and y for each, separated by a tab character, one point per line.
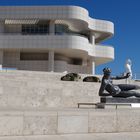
93	68
2	26
1	59
92	38
52	27
51	61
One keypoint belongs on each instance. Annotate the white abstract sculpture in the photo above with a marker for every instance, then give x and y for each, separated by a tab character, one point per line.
128	69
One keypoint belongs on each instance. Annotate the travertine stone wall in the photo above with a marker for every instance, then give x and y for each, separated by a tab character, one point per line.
42	90
70	121
43	94
38	103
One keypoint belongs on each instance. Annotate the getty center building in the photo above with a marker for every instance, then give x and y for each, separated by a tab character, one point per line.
53	38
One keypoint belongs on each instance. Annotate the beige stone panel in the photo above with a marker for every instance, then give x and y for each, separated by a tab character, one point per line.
128	120
33	90
40	113
72	112
102	121
40	125
72	124
11	125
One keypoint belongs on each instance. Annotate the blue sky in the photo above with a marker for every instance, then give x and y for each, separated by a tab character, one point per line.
126	16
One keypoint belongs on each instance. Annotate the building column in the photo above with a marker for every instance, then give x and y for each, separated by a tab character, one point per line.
91	65
52	27
1	59
93	68
2	26
51	61
92	38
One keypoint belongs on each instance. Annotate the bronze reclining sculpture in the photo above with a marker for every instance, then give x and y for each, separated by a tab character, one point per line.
121	90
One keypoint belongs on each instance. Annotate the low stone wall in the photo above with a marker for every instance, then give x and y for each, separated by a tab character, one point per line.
70	121
32	90
42	90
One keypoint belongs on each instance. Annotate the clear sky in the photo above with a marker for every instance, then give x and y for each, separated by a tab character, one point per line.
126	16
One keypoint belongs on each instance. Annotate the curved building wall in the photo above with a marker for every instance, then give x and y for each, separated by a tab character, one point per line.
66	34
39	42
27	13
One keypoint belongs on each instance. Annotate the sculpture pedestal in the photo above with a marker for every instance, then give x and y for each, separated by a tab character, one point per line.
119	100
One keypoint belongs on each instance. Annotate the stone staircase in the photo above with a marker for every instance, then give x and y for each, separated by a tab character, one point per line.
38	106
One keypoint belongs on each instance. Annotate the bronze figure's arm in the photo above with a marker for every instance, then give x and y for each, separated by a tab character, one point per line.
120	77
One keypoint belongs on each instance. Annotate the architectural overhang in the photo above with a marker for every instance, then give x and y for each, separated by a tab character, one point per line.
66	44
104	54
67	14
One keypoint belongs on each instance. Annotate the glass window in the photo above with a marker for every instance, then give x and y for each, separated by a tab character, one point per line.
60	29
33	56
35	29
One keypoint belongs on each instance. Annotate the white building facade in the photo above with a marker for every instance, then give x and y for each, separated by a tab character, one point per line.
53	38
